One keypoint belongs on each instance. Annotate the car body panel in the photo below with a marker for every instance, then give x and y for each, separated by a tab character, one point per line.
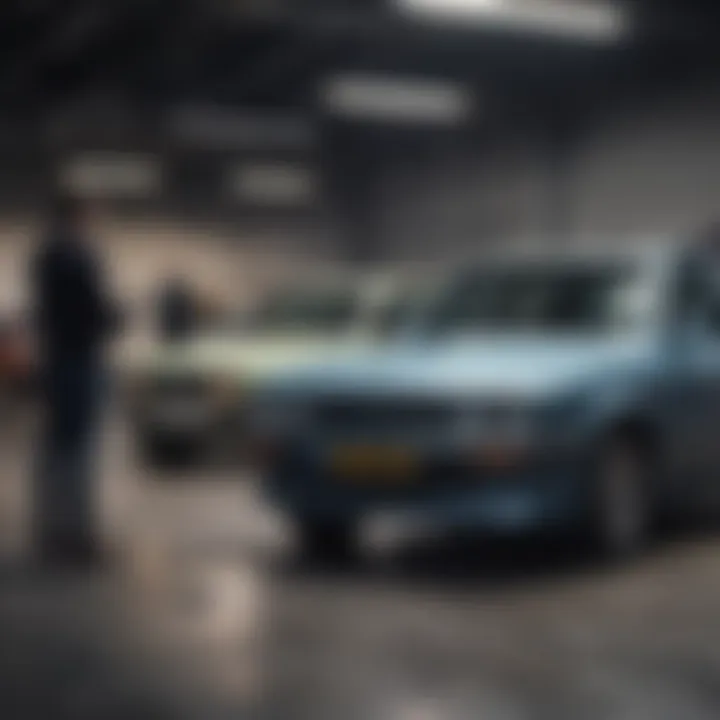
573	389
487	363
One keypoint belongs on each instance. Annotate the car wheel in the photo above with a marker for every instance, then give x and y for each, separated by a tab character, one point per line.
328	541
621	517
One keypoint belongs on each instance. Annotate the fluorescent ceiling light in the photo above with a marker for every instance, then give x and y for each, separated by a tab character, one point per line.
592	20
217	127
398	100
273	184
112	175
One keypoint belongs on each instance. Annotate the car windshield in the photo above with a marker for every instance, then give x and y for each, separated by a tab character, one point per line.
392	316
313	310
572	298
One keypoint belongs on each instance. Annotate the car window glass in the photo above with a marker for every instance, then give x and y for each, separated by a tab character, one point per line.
713	299
699	295
576	298
393	316
689	293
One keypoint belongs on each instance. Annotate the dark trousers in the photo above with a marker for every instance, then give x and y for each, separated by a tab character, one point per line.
64	497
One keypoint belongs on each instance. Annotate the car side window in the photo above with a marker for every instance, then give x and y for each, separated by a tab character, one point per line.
698	300
713	300
687	293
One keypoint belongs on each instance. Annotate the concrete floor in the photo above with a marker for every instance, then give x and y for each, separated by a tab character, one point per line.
205	615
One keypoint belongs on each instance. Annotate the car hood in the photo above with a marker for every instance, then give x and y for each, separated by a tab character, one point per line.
526	366
240	357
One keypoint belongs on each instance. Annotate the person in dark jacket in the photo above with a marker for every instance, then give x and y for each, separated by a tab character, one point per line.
74	321
177	310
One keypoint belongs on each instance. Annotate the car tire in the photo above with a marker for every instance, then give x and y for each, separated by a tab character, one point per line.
326	541
621	518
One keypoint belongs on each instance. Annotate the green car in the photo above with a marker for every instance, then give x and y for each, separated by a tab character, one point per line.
190	400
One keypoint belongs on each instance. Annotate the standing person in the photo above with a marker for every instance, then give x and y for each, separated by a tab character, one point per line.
177	310
74	321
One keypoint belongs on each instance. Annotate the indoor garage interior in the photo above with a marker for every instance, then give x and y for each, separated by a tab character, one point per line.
243	145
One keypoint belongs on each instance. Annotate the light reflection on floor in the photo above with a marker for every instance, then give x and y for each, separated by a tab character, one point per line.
206	609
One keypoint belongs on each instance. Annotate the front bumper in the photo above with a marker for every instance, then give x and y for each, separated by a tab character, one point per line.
542	498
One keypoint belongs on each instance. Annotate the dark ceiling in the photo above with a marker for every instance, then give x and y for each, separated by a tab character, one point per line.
157	53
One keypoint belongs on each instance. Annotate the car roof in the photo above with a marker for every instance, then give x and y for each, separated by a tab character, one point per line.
653	251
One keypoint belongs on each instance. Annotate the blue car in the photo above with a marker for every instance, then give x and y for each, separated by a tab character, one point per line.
573	392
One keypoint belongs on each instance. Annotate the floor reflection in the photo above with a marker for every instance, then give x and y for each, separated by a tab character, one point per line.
207	614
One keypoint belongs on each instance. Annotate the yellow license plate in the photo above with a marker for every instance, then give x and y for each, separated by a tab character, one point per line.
370	464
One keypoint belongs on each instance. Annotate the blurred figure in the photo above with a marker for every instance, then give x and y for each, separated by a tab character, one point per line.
177	310
74	320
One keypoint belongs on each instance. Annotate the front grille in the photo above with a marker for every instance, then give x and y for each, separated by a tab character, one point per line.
381	416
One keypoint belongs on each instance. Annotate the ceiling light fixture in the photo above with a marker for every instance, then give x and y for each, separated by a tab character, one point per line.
589	20
397	100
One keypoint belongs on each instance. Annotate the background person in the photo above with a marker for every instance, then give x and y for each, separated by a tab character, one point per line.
75	318
177	310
